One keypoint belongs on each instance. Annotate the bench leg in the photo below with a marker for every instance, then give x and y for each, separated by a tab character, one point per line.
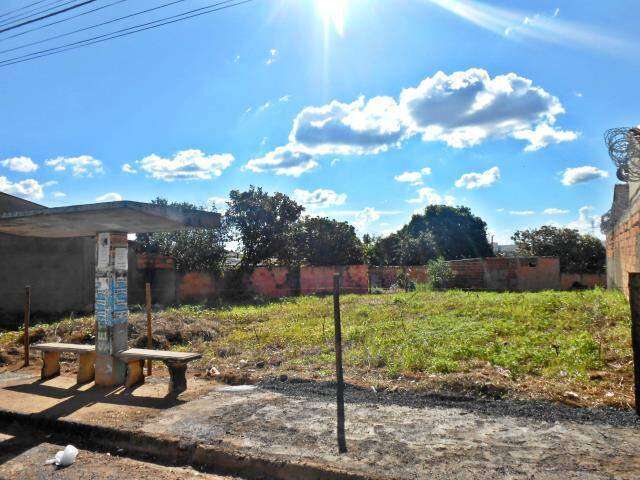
178	381
135	373
86	367
50	365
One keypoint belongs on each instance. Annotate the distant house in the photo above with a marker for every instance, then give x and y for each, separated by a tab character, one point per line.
505	250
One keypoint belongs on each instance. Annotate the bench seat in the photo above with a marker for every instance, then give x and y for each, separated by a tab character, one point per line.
176	363
51	359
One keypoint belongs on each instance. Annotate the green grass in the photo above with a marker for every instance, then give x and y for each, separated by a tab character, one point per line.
442	332
560	337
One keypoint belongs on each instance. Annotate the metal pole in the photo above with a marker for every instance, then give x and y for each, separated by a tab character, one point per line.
27	317
149	334
634	301
342	444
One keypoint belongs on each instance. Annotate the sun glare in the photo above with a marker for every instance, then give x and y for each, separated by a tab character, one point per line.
332	12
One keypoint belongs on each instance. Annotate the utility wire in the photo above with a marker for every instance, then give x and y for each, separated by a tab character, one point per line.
36	11
113	35
21	8
62	20
52	14
141	12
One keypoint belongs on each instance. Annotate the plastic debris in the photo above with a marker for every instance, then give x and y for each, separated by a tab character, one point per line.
65	457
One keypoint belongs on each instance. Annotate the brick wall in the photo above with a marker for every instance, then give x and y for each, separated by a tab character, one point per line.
622	232
319	280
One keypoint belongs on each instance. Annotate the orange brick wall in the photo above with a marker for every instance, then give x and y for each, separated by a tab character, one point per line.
319	280
622	250
272	282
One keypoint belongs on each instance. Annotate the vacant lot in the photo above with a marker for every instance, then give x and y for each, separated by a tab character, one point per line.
572	347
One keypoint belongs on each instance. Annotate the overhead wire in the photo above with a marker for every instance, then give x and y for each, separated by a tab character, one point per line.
27	14
49	15
97	25
21	8
212	8
66	19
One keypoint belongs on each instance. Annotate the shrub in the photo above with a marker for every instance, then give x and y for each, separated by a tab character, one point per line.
440	273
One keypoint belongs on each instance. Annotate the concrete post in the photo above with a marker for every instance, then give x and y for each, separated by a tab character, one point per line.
111	307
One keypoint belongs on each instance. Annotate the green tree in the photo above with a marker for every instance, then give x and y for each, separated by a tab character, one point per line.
455	232
264	225
201	249
577	253
322	241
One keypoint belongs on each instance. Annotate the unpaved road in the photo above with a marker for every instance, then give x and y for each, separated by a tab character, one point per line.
24	454
403	435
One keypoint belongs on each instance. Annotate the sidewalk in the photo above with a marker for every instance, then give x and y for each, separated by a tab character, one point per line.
288	429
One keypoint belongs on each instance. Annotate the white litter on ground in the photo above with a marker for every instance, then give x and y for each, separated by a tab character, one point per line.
65	457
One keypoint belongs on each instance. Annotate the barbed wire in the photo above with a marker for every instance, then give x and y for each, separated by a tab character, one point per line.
623	144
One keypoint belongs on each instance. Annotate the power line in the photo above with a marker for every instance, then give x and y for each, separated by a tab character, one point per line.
23	16
61	21
113	35
101	24
52	14
21	8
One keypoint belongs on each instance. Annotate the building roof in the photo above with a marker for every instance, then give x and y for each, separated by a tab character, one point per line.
87	220
9	203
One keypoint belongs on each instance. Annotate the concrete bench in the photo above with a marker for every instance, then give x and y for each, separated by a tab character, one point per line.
176	363
51	359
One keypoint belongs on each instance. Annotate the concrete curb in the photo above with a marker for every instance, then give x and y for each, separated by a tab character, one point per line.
218	459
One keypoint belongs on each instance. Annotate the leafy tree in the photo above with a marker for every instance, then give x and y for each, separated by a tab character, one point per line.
456	233
416	250
577	253
322	241
264	224
201	249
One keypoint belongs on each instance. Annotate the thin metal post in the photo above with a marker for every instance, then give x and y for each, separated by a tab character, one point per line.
27	318
149	334
634	301
342	444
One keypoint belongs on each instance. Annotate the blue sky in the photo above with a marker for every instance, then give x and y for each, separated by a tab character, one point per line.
365	110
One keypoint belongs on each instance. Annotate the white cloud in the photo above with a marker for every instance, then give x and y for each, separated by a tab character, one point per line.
555	211
20	164
462	109
283	161
465	108
479	180
578	94
586	173
522	213
273	53
414	178
29	188
320	198
264	106
285	98
109	197
543	135
365	217
82	166
186	165
428	195
556	12
586	223
220	203
356	128
59	194
127	168
237	59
